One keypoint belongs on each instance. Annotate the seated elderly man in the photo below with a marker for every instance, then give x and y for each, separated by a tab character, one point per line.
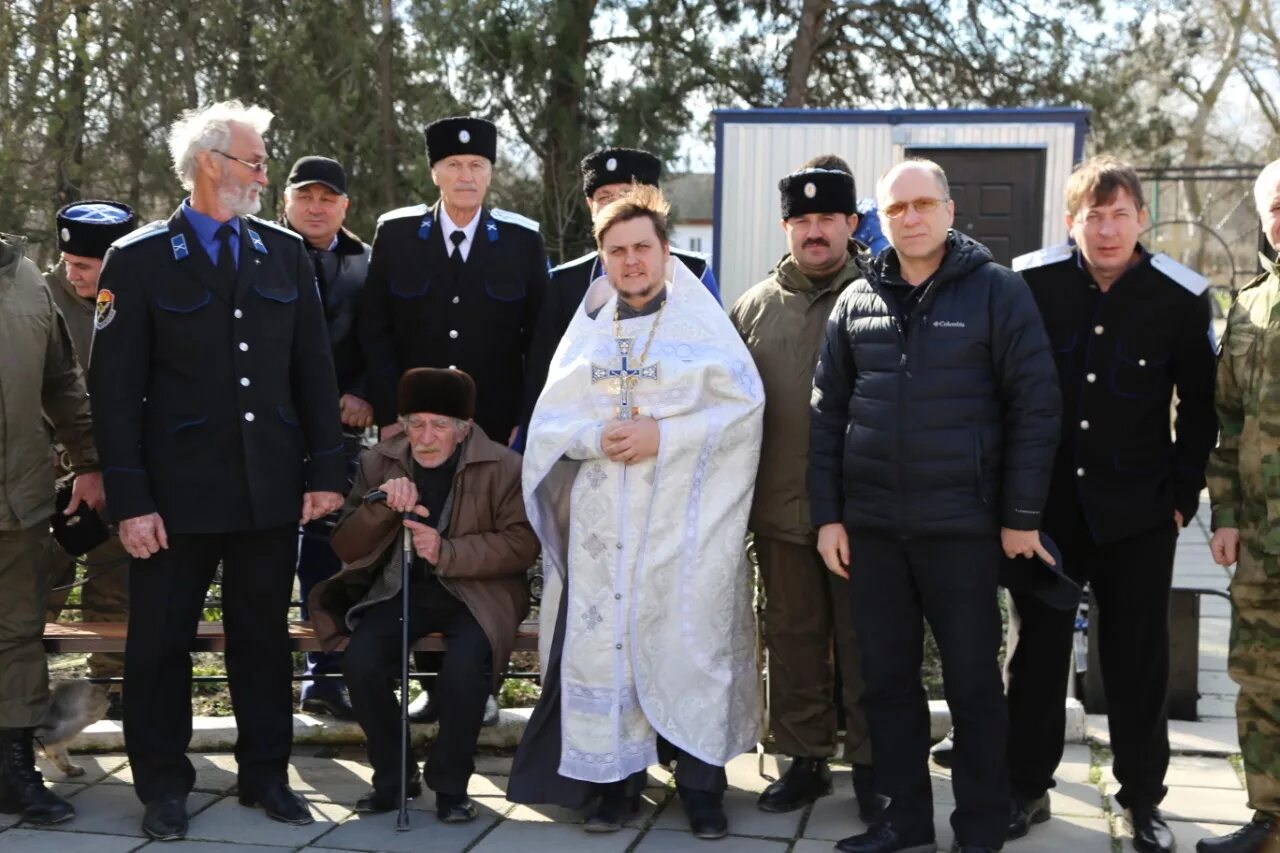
467	581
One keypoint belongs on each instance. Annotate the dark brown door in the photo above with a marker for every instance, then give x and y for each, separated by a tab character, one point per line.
999	195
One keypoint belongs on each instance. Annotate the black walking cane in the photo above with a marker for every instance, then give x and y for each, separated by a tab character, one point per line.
406	563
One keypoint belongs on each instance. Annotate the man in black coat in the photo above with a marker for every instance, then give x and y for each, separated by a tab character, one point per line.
216	414
935	417
315	206
1127	329
456	284
606	175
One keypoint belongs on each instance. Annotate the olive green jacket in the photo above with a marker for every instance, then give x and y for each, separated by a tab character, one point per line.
782	320
38	374
1244	469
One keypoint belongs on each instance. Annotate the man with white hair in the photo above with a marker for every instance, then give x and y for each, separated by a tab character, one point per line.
216	410
1244	485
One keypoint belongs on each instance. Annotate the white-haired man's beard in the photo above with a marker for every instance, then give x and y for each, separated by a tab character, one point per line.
241	199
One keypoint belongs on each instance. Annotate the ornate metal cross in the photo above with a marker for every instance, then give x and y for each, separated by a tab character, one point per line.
626	375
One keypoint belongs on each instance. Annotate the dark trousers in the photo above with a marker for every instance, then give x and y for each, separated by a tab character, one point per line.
372	663
952	583
316	563
1130	580
809	632
24	584
166	594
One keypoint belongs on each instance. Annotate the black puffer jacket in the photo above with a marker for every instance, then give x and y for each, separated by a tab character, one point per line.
942	422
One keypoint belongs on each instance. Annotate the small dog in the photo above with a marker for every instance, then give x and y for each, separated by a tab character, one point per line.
73	705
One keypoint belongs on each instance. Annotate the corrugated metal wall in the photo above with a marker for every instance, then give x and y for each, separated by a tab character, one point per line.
755	156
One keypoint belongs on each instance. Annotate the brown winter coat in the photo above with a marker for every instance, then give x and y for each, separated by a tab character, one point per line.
484	553
782	320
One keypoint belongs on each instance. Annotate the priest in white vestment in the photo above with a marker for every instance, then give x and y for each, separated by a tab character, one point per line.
638	474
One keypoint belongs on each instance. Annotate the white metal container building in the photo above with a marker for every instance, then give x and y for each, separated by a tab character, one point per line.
1007	167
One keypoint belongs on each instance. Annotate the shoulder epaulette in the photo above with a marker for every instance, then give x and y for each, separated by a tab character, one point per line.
151	229
414	210
1042	257
576	262
1183	275
275	226
689	253
513	218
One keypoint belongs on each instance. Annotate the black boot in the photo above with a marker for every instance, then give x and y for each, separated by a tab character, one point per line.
22	789
1250	838
870	804
805	780
884	837
1024	813
1150	833
705	811
613	809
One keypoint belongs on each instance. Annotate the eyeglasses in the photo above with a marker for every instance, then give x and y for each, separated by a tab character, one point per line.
258	167
922	206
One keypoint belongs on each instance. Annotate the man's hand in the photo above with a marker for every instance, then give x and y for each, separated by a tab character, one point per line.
143	535
319	504
1225	545
1024	543
402	494
426	541
631	441
390	431
86	488
1178	520
833	546
355	412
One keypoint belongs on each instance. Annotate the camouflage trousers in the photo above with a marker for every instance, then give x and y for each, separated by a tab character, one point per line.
1254	664
24	671
103	598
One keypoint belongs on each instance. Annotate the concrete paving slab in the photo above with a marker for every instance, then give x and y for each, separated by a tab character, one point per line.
95	767
22	840
832	818
1220	707
227	820
1084	834
334	780
743	771
1215	805
1075	765
1194	771
558	838
425	835
489	764
1217	683
1077	799
215	772
486	807
1204	737
665	841
115	810
744	817
189	846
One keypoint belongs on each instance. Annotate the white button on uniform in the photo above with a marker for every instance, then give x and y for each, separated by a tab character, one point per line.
453	367
244	347
1084	425
239	313
248	416
456	300
453	333
1142	362
1097	330
1079	472
1091	378
244	380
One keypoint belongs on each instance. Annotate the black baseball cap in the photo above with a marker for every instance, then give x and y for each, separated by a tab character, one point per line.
1050	584
318	170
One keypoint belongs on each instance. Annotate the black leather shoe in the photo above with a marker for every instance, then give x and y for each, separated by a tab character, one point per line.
166	819
1024	813
455	808
382	800
423	710
941	751
1150	833
330	703
280	803
22	790
871	805
806	780
884	838
1250	838
612	810
705	811
957	847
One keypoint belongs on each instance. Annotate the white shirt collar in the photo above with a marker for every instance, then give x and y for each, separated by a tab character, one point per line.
447	227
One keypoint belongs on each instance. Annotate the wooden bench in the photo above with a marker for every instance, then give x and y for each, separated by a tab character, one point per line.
65	637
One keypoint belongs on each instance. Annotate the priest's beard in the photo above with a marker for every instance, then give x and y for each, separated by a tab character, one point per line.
240	199
638	297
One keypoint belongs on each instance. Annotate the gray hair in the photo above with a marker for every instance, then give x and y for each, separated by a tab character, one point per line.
887	179
207	129
1264	189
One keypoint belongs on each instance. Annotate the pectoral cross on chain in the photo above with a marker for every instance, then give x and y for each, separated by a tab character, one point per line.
626	375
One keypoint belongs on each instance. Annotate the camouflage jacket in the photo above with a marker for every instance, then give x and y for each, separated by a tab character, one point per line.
1244	469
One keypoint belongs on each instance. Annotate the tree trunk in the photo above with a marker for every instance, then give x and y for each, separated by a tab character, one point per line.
564	213
810	35
386	106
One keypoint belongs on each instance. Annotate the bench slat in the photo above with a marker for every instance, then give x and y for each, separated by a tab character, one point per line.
65	637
